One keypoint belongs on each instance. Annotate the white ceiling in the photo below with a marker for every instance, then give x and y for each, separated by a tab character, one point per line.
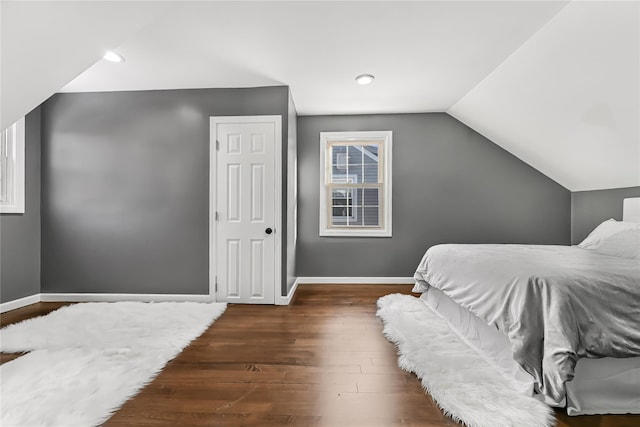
468	58
567	101
45	44
425	55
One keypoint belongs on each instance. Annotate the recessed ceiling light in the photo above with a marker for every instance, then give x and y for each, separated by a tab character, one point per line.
113	57
365	79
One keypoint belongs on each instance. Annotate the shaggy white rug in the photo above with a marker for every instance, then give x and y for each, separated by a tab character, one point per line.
459	380
87	359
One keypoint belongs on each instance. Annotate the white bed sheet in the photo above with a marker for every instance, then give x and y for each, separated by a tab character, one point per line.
494	347
606	385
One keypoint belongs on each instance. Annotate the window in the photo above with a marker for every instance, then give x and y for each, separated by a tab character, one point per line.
355	184
12	169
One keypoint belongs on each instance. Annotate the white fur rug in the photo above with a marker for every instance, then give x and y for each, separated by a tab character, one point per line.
459	380
87	359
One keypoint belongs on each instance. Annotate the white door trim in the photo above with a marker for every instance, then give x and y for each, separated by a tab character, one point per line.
213	158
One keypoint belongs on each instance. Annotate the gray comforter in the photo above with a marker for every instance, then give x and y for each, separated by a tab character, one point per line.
555	303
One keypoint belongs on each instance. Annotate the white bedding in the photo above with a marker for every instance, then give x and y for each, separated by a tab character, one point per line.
606	385
556	304
487	341
598	281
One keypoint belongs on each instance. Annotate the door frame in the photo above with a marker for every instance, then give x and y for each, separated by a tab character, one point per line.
214	121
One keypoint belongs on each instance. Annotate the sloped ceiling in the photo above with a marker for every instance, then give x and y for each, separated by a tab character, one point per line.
567	101
425	55
45	44
555	83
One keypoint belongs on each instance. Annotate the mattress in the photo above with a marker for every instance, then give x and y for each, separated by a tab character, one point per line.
607	385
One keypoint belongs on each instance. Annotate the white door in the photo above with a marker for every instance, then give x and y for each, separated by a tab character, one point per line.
246	208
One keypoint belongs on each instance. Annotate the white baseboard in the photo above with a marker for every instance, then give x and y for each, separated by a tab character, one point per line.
358	280
82	297
280	300
19	303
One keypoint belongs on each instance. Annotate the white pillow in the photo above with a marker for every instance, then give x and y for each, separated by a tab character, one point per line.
614	238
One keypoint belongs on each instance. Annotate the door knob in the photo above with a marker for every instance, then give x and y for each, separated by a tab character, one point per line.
268	230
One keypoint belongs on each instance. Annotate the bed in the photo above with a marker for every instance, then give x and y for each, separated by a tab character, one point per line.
561	323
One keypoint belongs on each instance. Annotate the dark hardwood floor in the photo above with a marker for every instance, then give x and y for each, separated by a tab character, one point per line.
322	361
24	313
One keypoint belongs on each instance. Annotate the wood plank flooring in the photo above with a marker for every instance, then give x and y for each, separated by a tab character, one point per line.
24	313
322	361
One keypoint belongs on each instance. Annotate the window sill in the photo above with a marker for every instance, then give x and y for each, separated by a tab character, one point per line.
355	233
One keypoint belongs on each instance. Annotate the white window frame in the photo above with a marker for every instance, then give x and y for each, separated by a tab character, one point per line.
385	141
12	168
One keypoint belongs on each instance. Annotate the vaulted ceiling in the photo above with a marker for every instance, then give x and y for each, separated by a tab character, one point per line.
555	82
567	100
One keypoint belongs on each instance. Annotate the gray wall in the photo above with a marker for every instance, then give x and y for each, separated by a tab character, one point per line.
20	233
450	185
125	186
125	194
590	208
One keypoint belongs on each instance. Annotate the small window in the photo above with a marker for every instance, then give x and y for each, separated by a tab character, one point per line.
355	184
12	169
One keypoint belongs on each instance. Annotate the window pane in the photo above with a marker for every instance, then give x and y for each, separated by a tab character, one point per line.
371	153
355	207
338	149
341	212
371	197
355	174
356	220
355	164
371	160
342	206
370	174
338	162
371	216
345	216
357	196
342	196
355	154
